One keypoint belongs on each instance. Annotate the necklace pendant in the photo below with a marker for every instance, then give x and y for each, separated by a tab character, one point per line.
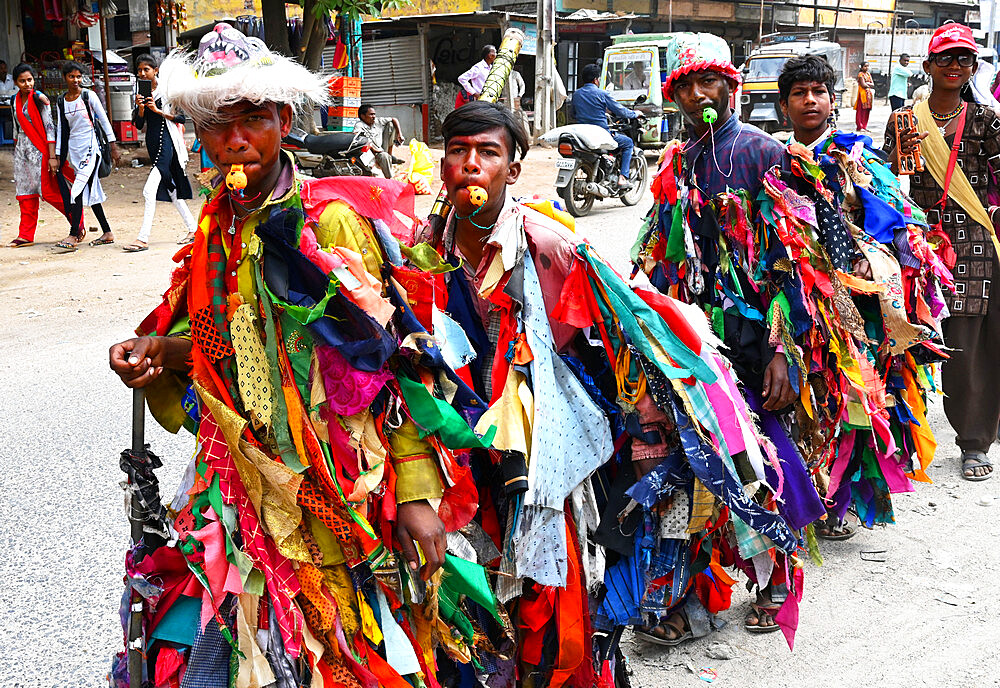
942	129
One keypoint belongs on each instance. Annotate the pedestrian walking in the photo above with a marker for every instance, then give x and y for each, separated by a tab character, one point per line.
79	116
167	180
960	143
34	147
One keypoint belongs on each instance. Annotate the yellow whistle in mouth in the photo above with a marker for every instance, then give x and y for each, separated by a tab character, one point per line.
236	180
478	196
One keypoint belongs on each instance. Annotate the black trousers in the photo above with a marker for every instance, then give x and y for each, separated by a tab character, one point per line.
74	209
970	379
896	102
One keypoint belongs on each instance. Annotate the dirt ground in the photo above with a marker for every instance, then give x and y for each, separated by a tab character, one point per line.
913	604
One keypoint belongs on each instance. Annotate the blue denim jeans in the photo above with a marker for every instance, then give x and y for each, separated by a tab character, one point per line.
625	145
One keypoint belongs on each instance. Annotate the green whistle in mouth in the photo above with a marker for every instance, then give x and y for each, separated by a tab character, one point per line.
709	115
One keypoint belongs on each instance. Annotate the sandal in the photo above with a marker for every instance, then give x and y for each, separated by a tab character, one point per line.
103	240
18	242
65	246
669	632
971	460
761	611
833	530
186	239
134	248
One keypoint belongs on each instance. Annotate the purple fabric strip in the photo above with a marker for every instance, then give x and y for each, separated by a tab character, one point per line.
840	501
800	504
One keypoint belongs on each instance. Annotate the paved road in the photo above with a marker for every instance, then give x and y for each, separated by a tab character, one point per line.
928	615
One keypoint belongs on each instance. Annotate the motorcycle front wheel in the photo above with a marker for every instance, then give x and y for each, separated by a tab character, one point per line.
638	174
578	201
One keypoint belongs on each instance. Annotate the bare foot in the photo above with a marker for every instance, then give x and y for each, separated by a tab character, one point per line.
975	466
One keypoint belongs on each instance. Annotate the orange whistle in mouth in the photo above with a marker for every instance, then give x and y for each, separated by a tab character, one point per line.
478	196
236	180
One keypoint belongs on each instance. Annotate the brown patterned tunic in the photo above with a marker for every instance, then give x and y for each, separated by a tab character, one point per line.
979	157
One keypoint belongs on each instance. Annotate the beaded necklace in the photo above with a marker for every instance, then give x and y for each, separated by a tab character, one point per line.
947	118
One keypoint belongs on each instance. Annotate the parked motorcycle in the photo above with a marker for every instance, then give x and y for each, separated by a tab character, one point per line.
588	170
332	154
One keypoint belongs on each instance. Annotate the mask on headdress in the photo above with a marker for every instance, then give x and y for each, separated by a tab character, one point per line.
225	47
230	68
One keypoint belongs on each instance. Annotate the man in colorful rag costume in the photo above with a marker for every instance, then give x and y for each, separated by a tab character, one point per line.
960	142
619	424
699	245
862	312
321	439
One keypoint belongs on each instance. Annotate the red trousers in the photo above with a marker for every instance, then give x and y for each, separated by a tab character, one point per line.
861	117
29	208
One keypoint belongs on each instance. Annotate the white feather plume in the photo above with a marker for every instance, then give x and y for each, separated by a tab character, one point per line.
202	97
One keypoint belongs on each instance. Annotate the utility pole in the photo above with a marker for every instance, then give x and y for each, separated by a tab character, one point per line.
104	60
991	24
545	68
892	47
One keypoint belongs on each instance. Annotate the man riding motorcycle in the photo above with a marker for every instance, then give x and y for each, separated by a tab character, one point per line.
591	106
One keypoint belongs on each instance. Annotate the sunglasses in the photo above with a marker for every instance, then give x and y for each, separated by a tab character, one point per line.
945	59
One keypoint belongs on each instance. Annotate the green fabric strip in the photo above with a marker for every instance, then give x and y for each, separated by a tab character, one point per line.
279	414
675	251
433	415
630	310
426	258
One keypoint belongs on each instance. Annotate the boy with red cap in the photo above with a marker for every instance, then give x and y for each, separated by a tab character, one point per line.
960	142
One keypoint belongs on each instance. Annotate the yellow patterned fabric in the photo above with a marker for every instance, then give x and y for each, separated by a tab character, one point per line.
251	361
702	507
340	226
417	475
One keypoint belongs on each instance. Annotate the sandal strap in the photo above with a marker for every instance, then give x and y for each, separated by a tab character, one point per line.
765	609
678	626
972	461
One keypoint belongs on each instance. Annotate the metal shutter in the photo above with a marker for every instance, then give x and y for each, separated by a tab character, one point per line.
393	71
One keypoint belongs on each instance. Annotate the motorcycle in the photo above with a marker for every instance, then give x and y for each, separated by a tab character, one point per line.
333	154
589	170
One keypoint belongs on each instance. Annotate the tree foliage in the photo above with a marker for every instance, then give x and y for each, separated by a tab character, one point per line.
314	29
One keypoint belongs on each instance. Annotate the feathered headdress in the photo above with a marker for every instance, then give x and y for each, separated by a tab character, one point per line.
230	68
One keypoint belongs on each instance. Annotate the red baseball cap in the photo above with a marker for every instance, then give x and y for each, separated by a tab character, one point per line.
952	36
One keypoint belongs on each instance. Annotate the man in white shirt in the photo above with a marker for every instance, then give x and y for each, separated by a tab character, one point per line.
381	137
7	89
472	80
637	79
